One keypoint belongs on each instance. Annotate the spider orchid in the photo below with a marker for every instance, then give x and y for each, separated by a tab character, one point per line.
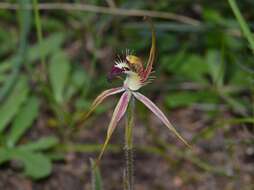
137	76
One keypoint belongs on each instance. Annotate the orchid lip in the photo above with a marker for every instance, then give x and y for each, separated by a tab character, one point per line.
115	71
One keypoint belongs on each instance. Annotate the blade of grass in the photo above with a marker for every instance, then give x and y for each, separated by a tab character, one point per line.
25	25
243	24
39	36
96	176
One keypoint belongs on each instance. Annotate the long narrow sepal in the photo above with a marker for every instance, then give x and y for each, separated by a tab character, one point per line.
151	106
102	97
151	59
118	113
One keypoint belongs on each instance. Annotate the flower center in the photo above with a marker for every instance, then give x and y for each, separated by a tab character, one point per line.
132	81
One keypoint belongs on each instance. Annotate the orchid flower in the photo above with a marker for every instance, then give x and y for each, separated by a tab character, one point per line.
137	76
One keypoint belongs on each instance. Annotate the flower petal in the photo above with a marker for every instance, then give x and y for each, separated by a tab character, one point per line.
151	106
151	58
101	97
118	113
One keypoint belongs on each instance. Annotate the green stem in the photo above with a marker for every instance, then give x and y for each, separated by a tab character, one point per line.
128	173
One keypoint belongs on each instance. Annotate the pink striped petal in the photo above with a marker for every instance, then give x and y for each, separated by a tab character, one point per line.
151	106
118	113
101	97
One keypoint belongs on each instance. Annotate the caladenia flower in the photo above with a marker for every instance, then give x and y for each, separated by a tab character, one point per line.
137	75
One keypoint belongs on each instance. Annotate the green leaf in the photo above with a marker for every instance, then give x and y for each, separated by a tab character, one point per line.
216	66
3	78
5	155
214	16
59	69
11	106
4	67
236	104
96	176
78	80
25	26
182	64
179	99
173	62
23	121
36	165
47	47
42	144
197	62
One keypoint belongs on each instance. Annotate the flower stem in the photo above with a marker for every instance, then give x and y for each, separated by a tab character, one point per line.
128	172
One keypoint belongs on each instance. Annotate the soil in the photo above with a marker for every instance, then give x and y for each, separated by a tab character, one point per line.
152	171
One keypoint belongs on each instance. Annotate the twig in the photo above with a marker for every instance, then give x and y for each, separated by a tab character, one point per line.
111	3
107	10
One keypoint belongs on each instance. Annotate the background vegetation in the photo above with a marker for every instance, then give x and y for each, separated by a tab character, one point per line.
54	62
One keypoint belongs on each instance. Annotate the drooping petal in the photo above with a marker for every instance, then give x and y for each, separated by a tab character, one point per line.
151	59
118	113
101	97
151	106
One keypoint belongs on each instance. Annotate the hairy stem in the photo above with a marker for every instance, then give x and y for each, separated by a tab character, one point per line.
128	172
